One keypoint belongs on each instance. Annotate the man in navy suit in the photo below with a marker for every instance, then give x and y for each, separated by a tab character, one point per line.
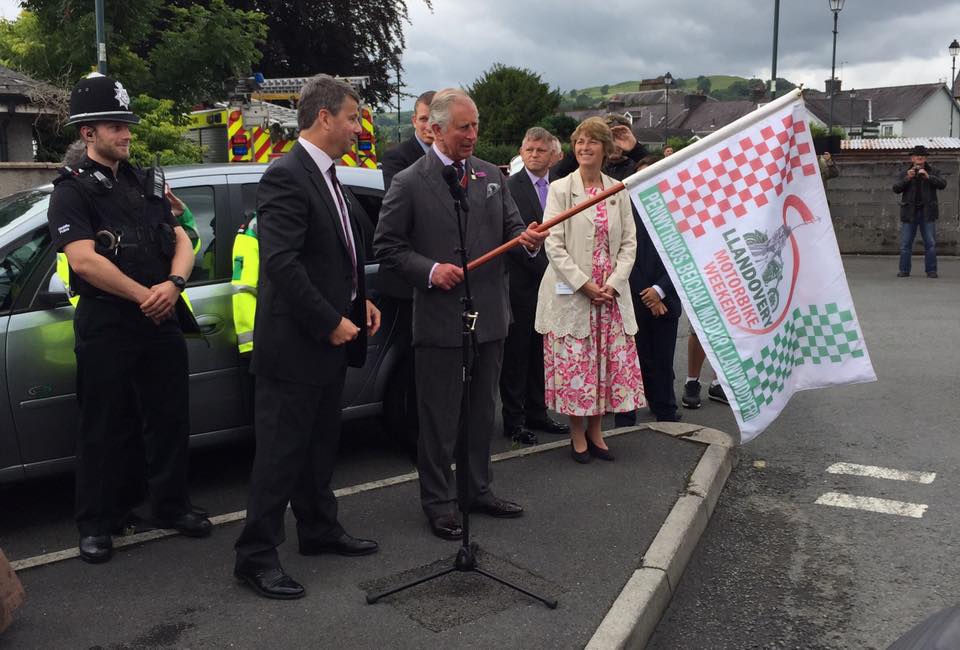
312	322
521	379
409	151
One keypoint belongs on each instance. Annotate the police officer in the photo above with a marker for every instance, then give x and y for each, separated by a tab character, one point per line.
129	260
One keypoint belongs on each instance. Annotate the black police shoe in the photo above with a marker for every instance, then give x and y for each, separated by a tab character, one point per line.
521	435
96	549
189	523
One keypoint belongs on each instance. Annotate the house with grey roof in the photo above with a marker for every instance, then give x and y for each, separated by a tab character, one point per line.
919	110
22	101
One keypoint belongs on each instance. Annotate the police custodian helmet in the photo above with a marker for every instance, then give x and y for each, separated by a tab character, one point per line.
97	98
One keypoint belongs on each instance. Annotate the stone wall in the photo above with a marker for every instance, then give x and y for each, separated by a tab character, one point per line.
16	176
866	212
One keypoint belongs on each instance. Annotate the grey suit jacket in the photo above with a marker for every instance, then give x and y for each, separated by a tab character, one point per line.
418	228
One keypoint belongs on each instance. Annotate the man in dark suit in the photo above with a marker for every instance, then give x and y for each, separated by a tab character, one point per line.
312	321
657	308
400	401
521	380
412	150
418	236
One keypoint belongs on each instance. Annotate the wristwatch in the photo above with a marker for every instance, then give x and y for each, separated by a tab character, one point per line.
178	281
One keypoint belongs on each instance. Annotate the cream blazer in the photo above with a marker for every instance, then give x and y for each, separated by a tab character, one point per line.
569	248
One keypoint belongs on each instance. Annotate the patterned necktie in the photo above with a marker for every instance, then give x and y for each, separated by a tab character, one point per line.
542	192
344	221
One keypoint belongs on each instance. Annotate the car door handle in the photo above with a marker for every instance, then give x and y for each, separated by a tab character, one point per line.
210	324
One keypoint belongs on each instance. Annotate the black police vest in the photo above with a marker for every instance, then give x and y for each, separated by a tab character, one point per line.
129	221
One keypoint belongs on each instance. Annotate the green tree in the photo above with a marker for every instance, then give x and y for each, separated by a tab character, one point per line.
511	100
159	136
153	46
338	37
604	89
704	84
560	125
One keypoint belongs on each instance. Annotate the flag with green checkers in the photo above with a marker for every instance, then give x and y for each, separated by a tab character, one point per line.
823	334
742	223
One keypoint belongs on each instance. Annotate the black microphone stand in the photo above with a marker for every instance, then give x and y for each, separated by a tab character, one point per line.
466	559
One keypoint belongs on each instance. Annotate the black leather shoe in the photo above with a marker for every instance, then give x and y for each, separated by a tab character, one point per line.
190	524
96	549
498	508
447	527
598	452
270	583
522	435
582	457
344	545
549	425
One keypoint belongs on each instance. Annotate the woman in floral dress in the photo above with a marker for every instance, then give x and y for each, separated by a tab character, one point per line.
584	308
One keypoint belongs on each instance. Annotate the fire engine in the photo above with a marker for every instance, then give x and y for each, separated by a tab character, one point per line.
250	127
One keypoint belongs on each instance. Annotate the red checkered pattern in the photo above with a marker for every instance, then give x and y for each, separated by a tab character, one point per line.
725	183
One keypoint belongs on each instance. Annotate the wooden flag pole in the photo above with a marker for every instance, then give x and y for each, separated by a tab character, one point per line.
547	225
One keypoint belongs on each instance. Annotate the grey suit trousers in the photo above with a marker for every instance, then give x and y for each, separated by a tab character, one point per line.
439	391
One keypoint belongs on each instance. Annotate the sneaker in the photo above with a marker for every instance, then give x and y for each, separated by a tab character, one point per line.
903	274
932	274
691	395
715	392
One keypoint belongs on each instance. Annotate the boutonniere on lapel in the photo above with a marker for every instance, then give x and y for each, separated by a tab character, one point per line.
475	175
492	188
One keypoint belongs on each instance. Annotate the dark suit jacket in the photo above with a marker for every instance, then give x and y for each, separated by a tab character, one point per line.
648	270
525	271
418	228
399	158
305	276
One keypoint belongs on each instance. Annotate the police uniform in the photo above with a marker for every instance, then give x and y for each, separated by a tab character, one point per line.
117	346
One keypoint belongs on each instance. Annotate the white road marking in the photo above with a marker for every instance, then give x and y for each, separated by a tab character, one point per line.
873	504
881	472
217	520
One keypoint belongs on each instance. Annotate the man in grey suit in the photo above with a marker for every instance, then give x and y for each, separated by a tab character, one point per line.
521	379
417	235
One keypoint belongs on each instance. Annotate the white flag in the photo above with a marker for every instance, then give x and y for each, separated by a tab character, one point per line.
742	224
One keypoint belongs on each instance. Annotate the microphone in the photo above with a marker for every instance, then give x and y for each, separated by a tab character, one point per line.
456	189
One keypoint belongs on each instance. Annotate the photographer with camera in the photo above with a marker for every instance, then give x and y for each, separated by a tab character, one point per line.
919	210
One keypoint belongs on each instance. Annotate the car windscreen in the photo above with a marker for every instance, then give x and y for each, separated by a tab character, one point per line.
16	205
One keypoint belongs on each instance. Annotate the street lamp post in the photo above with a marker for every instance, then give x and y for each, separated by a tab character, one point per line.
954	49
667	80
836	6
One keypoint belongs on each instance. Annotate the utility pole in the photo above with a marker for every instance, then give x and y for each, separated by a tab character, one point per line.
101	39
773	66
399	139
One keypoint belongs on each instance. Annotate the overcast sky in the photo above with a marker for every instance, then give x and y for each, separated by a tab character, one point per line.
573	43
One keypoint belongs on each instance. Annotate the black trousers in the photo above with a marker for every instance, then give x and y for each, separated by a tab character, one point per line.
298	432
132	385
656	346
521	380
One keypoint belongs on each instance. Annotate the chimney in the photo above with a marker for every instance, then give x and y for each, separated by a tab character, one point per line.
832	86
691	102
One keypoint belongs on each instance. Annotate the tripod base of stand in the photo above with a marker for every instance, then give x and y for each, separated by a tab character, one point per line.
465	561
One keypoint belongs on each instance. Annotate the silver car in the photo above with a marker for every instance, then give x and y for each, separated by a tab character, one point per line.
38	407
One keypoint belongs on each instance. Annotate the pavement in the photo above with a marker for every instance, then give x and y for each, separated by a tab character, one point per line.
609	541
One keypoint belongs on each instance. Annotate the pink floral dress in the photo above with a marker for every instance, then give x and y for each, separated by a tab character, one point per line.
600	373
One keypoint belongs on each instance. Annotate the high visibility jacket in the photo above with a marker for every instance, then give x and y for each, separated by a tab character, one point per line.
189	224
246	270
63	272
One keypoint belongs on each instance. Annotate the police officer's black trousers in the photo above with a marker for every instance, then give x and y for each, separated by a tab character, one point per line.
119	349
